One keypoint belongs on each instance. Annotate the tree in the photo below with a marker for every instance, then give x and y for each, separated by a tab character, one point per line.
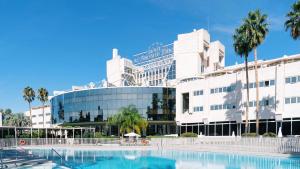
20	120
6	116
128	120
293	21
29	96
43	97
241	46
14	119
257	28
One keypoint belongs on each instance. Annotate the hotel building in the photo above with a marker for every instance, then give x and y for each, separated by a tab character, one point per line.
185	87
40	119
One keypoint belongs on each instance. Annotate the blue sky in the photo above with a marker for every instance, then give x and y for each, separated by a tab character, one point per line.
59	43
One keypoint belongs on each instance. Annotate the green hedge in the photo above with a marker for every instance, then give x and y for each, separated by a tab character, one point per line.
188	134
249	135
269	134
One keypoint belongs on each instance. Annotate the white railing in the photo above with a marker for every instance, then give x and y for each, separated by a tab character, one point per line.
266	145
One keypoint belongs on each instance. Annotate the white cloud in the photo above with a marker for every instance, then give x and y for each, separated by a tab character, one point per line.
276	23
228	29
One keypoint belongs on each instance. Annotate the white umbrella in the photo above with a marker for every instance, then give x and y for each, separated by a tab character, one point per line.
233	134
132	134
279	132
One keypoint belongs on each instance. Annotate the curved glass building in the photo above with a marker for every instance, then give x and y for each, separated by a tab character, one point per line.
92	107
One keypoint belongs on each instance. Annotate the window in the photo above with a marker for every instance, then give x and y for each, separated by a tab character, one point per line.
251	85
225	89
212	107
272	82
212	91
287	80
198	109
298	78
272	101
216	107
294	79
33	115
220	107
287	101
220	90
266	103
185	102
198	92
250	104
293	100
229	88
261	84
267	83
216	90
298	99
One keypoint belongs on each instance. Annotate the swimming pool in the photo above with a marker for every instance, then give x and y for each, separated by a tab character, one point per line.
160	159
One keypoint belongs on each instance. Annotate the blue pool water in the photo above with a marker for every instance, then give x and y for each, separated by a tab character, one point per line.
88	159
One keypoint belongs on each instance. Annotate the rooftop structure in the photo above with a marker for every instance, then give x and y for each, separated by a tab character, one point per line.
162	64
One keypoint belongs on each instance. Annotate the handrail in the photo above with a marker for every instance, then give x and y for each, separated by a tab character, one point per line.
1	149
61	158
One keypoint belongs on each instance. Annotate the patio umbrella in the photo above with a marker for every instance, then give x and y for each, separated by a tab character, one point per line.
132	134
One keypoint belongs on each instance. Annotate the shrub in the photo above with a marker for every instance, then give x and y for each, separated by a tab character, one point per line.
9	136
88	135
269	134
25	135
249	135
98	135
188	134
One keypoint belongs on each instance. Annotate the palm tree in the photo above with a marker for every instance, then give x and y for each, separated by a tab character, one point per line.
293	22
129	120
241	46
257	27
29	95
43	97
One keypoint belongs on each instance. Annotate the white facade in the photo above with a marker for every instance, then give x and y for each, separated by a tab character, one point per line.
207	92
220	96
40	120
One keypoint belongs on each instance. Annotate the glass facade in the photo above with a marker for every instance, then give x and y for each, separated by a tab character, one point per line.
96	105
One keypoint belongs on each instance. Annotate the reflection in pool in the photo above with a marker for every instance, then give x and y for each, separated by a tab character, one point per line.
89	159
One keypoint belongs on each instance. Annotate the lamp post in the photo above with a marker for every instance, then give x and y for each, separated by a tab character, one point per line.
179	125
206	122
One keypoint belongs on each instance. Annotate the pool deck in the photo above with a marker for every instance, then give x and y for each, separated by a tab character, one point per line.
149	148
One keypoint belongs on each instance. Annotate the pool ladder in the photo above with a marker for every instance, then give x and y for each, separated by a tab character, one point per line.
60	156
62	160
